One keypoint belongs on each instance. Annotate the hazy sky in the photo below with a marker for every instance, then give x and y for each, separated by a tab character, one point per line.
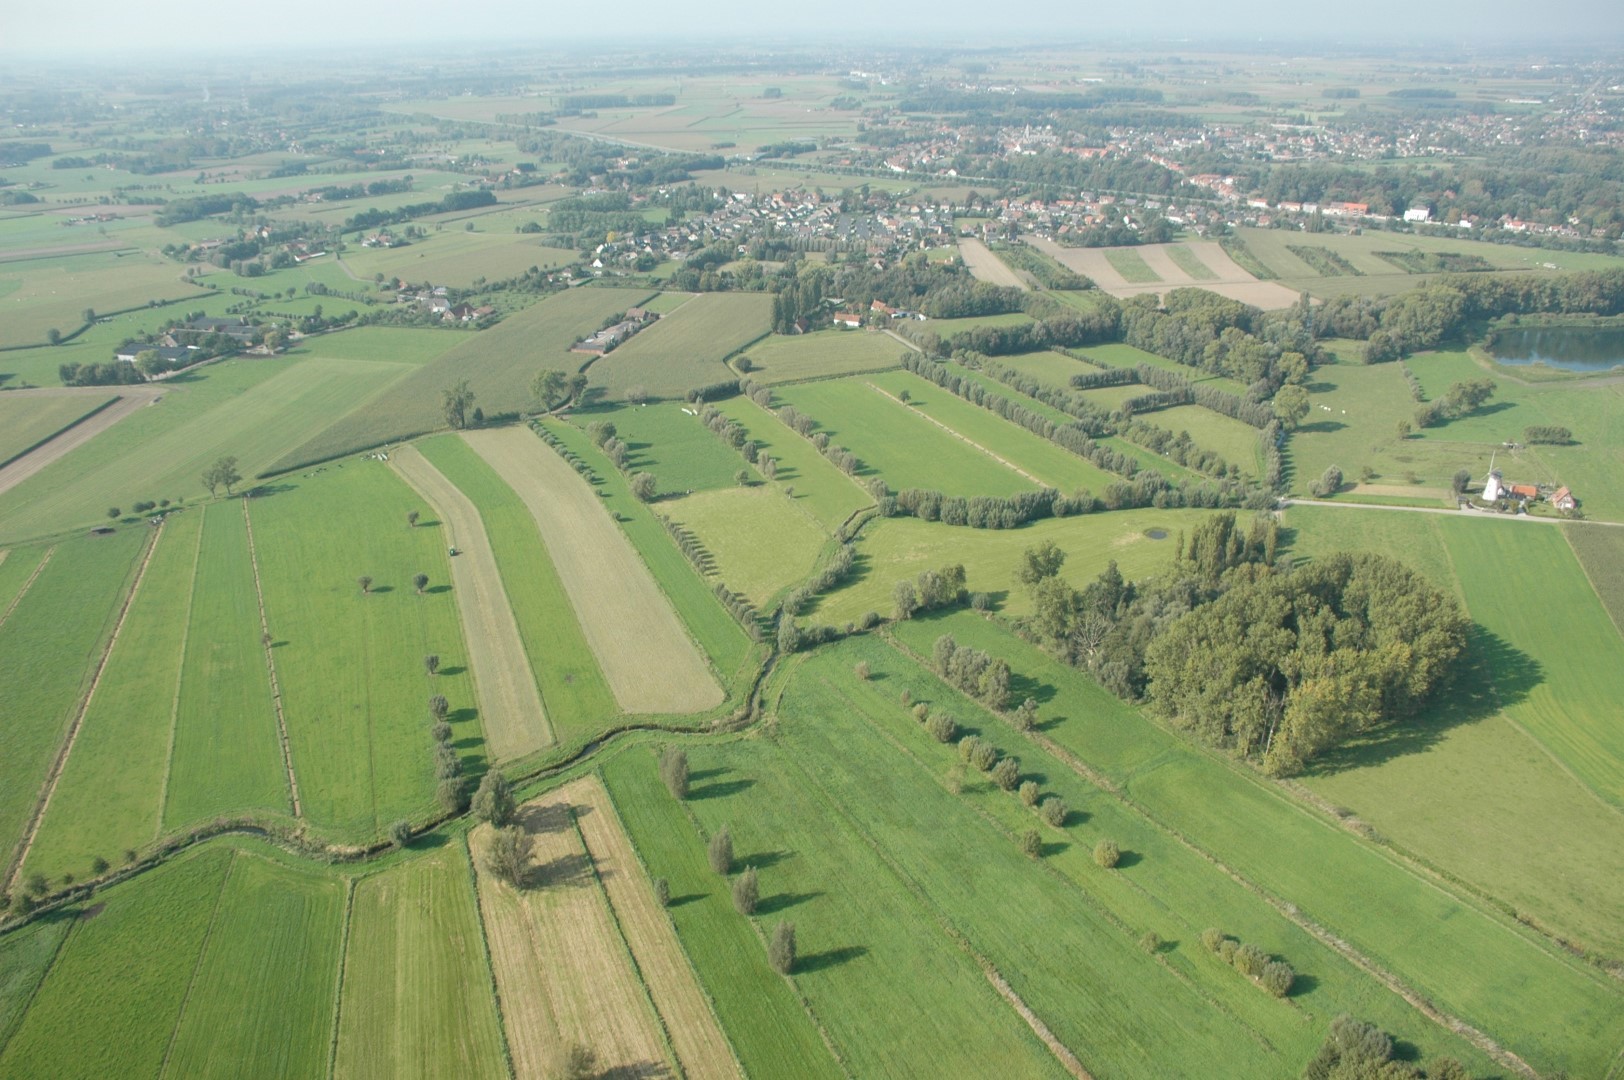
82	26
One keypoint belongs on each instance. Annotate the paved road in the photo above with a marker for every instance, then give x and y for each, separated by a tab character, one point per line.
1437	510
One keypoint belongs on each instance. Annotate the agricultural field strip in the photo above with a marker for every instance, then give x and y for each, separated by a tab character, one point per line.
835	491
564	972
55	772
22	592
1145	775
629	622
31	420
695	1034
986	266
174	705
960	436
270	668
21	468
197	963
511	711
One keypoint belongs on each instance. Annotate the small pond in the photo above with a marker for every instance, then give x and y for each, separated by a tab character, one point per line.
1572	348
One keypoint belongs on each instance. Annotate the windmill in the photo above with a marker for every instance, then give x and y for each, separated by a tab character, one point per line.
1492	487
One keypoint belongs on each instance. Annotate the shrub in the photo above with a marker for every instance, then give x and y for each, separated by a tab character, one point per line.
674	771
1029	793
980	601
1025	717
644	486
1328	483
1151	942
439	707
720	851
662	891
907	697
400	832
1055	811
943	728
968	746
1250	961
1007	774
781	949
446	762
98	865
921	712
1107	854
1277	978
955	779
1212	937
1031	843
441	732
862	670
452	794
1226	950
745	892
985	756
493	802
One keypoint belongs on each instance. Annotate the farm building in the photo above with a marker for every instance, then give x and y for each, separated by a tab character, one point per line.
1563	499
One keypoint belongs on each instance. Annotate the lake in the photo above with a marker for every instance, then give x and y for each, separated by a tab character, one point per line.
1572	348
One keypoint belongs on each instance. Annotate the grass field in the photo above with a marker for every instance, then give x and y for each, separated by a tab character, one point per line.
895	549
762	541
609	586
263	988
48	650
574	693
225	755
1050	368
110	795
1544	1005
254	410
499	364
391	344
354	690
26	955
823	491
1186	260
900	444
110	1003
510	708
1119	355
563	971
1131	265
704	616
673	445
27	421
826	353
53	294
458	257
416	998
686	348
1601	554
1236	442
1052	466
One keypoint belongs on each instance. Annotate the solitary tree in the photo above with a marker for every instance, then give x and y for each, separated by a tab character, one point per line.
1029	793
720	851
411	519
1007	774
745	892
493	802
781	949
1054	811
458	400
365	582
1107	854
510	850
662	891
53	336
674	771
644	486
421	581
431	663
223	473
742	477
400	832
1032	843
113	512
1039	562
548	387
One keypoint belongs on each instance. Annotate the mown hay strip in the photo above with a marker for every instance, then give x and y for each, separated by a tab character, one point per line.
270	665
650	662
696	1035
510	707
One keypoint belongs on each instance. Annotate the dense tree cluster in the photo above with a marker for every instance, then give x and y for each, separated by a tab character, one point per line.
973	671
1355	1050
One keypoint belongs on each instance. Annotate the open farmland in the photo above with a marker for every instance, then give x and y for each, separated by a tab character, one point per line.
823	491
33	457
902	445
762	541
609	586
574	693
499	364
1126	272
897	549
1236	442
416	998
350	664
686	348
668	440
457	258
254	410
29	418
1601	553
509	707
560	961
53	296
784	358
987	266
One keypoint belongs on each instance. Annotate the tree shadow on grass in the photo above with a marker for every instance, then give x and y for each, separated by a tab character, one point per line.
1055	847
640	1070
720	789
1494	674
1022	687
453	670
762	860
378	590
435	590
457	716
263	491
830	958
1128	858
686	898
770	905
705	774
1302	984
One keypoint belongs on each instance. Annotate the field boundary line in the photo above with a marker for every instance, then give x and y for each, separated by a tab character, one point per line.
343	964
197	965
22	1013
1482	1040
29	584
959	435
180	679
26	844
490	961
270	665
620	933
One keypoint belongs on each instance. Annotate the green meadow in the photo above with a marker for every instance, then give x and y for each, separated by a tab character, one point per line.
686	348
823	354
829	496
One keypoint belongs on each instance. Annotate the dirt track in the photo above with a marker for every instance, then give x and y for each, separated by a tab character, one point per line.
130	398
510	707
651	663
